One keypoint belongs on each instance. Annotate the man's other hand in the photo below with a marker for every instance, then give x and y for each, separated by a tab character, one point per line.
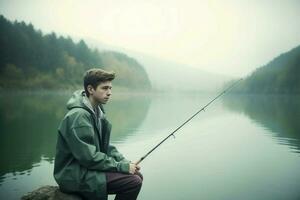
133	168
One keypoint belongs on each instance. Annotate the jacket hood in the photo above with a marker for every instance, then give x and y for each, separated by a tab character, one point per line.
79	99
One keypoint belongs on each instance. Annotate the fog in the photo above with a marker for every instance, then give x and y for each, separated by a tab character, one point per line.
225	37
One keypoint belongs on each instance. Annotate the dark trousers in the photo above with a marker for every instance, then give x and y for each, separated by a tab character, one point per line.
125	186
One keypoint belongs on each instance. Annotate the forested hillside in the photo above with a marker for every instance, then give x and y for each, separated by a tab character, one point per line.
29	59
280	76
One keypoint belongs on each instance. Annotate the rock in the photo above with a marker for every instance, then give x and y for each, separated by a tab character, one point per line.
49	193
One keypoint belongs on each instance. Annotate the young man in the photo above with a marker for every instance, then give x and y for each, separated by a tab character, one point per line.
85	162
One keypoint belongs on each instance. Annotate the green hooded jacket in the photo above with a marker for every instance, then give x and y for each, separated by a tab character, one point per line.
83	152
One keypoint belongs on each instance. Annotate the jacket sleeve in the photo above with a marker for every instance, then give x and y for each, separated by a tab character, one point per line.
113	152
81	143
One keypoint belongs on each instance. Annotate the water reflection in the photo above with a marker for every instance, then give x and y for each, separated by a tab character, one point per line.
209	159
279	114
126	112
28	126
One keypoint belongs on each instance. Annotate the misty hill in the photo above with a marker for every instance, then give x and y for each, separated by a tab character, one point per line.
171	76
30	59
280	76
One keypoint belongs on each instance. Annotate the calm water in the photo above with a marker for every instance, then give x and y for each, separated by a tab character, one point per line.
242	147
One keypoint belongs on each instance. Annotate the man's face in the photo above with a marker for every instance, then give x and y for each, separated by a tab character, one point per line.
102	93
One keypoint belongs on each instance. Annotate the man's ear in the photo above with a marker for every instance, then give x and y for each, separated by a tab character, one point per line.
90	89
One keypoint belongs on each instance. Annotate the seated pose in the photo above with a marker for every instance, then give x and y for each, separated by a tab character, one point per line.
85	162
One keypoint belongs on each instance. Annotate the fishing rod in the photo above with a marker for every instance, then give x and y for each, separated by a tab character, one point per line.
172	134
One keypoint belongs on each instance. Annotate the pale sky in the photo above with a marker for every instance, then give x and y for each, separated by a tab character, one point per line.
225	36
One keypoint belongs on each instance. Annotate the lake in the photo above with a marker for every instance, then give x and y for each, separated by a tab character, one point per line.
242	147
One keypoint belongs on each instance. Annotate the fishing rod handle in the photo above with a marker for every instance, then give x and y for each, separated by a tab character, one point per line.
140	160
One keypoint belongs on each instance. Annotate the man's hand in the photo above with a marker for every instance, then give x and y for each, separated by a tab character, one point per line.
133	168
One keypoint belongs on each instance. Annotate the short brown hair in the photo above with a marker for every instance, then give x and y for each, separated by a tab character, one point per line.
96	76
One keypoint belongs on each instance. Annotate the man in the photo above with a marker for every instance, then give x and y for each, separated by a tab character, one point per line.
85	162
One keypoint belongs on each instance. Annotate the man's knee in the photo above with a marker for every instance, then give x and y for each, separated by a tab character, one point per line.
138	180
140	175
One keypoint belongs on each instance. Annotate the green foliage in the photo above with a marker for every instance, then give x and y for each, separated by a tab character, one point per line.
29	59
280	76
132	72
